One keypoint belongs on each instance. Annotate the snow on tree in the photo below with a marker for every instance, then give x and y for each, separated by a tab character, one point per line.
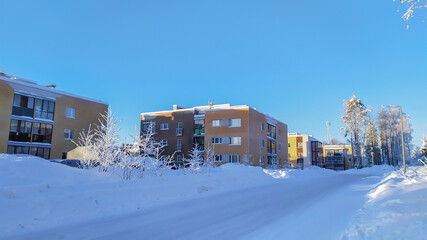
246	159
390	136
355	119
107	138
371	146
209	162
410	6
87	146
195	160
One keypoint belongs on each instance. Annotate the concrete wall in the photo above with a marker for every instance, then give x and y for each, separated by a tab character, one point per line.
6	103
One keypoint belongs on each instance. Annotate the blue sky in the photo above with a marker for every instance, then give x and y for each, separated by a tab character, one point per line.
295	60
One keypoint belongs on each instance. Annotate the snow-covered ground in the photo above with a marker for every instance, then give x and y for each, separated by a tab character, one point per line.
44	200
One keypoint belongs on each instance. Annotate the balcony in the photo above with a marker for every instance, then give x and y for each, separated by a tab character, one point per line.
22	111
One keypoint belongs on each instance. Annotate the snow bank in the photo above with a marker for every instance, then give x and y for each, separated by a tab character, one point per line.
36	193
396	208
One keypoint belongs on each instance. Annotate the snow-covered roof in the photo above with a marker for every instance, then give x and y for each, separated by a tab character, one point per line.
31	87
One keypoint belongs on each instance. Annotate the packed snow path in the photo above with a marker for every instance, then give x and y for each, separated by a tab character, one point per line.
311	209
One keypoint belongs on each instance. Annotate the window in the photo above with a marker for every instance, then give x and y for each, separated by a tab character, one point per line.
179	145
70	112
289	145
216	140
262	126
199	127
42	133
20	131
218	158
23	106
299	145
262	143
163	142
18	149
149	127
234	158
178	159
271	131
279	133
164	126
40	152
235	140
180	125
215	123
179	131
44	109
299	155
236	122
68	134
262	160
271	147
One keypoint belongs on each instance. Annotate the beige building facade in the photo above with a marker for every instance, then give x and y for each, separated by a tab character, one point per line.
41	120
234	133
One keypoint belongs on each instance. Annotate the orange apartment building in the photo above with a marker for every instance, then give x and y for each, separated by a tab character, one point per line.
41	120
232	132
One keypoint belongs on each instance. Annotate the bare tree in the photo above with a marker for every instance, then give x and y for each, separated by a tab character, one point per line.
410	6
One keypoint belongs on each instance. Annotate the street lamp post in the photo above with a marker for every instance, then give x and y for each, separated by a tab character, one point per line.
403	143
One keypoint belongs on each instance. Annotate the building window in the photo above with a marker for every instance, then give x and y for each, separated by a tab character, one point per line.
289	145
235	140
23	106
299	155
235	122
271	147
70	112
40	152
68	134
262	160
164	142
180	125
299	145
20	131
149	127
178	159
271	131
262	143
199	127
289	155
44	109
164	126
234	158
179	145
262	126
279	133
42	133
18	149
216	140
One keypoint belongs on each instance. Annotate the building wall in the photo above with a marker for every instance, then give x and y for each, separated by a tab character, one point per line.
87	113
6	102
226	131
257	135
173	118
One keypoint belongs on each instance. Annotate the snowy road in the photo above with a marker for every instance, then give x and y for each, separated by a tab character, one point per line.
311	209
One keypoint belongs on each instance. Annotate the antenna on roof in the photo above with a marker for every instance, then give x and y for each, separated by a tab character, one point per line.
211	103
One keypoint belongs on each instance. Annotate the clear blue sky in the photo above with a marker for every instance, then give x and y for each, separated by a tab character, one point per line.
295	60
